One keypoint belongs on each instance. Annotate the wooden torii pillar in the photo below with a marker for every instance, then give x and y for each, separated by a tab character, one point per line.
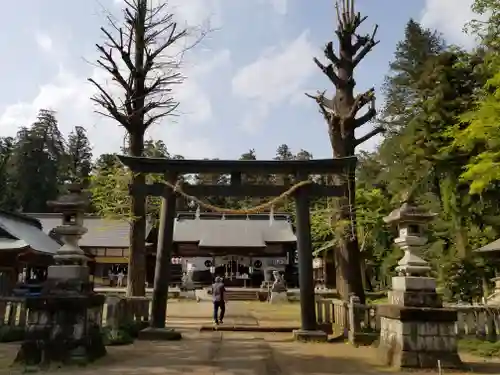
301	169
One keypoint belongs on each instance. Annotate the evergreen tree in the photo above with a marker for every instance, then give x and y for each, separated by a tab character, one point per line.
38	162
79	154
410	58
7	197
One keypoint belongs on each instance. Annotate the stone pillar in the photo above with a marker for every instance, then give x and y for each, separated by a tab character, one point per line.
416	331
64	322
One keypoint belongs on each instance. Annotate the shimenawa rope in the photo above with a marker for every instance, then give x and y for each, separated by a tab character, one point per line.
244	211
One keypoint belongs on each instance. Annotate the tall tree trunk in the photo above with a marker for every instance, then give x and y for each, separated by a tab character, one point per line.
348	257
342	114
136	277
137	57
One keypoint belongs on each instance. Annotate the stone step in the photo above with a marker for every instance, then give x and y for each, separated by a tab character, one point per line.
248	328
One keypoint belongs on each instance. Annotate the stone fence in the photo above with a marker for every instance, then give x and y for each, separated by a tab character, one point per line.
116	311
362	322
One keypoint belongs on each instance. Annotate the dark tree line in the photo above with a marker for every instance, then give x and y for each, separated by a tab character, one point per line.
35	165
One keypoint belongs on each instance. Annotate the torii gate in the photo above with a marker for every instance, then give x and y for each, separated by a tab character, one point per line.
303	189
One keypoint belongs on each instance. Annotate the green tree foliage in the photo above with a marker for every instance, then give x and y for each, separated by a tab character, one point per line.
443	145
37	163
7	200
477	134
410	58
110	180
79	156
486	24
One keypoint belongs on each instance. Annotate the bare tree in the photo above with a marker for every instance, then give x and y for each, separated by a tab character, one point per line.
142	56
343	116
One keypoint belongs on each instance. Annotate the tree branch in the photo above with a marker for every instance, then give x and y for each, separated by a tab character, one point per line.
361	100
368	135
368	116
330	54
368	45
105	101
328	71
347	19
158	116
327	104
120	47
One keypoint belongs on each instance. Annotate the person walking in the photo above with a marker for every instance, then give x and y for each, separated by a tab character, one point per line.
218	296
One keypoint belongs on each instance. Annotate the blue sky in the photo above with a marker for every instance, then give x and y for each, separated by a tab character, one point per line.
245	82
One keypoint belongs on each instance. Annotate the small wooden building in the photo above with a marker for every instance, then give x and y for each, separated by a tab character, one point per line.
25	250
106	243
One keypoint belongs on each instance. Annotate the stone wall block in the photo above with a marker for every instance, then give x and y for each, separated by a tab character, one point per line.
428	329
447	329
410	343
407	328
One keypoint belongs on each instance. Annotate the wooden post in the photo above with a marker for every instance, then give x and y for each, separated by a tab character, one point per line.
306	278
163	257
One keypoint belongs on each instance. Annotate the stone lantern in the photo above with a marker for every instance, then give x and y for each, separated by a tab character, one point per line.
71	262
410	221
415	330
64	321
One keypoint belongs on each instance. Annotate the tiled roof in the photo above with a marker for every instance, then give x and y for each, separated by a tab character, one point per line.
234	231
208	231
26	233
101	232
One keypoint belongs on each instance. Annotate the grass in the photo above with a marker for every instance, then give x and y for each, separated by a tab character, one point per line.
480	348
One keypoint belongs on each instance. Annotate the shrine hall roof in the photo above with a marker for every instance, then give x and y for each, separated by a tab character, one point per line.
215	230
24	232
101	232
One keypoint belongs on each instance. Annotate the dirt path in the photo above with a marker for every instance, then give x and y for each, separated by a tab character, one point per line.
228	353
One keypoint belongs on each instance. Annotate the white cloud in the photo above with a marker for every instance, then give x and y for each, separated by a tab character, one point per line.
44	41
69	94
450	17
275	77
192	12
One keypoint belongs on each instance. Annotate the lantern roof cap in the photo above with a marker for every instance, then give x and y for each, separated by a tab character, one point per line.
409	212
74	201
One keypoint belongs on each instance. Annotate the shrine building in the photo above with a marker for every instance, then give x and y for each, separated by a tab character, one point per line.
245	249
106	243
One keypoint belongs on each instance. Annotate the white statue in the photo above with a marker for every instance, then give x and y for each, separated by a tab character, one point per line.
279	283
187	280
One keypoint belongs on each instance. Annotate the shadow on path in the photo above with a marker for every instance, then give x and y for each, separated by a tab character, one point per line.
224	353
